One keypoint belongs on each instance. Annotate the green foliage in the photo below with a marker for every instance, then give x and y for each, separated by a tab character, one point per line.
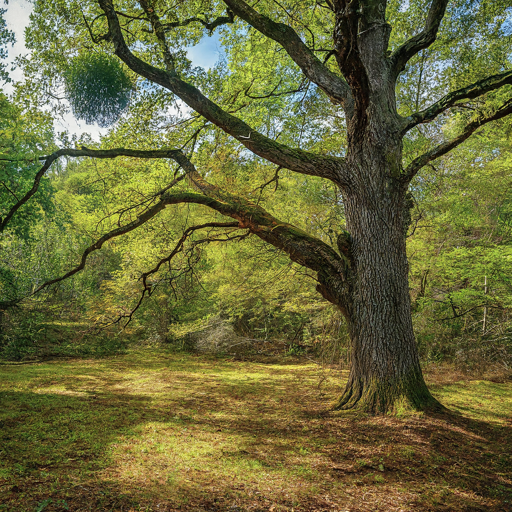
6	37
463	239
8	288
98	88
25	133
463	204
36	331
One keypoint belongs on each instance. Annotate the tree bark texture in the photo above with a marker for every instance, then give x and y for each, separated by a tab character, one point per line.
385	369
385	373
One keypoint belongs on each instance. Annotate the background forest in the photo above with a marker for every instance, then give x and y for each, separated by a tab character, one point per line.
229	285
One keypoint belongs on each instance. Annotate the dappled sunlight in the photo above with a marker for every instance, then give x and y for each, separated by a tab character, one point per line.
177	432
481	399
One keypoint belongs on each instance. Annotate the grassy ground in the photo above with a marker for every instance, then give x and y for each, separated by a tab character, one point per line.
157	432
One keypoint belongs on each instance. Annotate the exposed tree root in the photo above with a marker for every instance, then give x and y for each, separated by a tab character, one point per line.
388	397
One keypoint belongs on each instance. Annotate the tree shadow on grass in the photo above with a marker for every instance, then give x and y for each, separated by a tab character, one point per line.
161	438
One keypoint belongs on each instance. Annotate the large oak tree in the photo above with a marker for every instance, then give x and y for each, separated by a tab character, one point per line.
358	54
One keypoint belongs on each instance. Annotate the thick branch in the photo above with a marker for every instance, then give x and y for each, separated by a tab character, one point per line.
333	85
348	57
290	158
95	153
166	199
160	34
209	25
422	40
466	93
301	247
447	146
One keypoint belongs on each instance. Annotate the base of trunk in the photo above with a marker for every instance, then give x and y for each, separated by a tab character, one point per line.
388	396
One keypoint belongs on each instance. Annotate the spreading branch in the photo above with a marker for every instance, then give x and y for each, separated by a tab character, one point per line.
148	289
301	247
274	179
445	147
84	152
470	92
312	67
458	315
420	41
95	39
303	86
304	162
208	25
96	246
179	247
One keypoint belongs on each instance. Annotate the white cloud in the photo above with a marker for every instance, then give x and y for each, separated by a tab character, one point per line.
17	18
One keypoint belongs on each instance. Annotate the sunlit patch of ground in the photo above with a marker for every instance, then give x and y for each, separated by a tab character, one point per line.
157	431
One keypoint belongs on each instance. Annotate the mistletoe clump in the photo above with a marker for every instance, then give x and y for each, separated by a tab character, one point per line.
98	88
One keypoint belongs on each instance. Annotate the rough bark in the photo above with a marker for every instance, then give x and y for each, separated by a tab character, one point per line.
385	372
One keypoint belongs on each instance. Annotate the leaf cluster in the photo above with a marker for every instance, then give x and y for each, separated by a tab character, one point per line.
98	88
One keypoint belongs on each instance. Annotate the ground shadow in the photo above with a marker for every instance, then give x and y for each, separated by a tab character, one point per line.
188	434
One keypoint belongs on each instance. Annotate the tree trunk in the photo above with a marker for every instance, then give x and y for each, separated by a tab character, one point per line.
385	372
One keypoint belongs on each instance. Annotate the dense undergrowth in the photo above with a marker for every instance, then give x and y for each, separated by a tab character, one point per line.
39	331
